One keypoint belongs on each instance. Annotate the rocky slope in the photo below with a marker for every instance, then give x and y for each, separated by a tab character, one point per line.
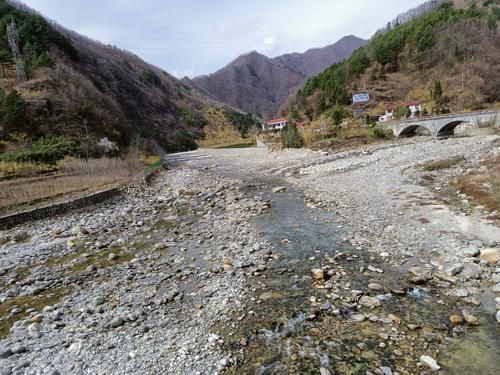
259	84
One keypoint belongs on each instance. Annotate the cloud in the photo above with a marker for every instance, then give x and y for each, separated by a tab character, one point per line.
199	37
270	40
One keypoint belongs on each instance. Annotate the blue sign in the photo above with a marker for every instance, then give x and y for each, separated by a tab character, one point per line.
361	97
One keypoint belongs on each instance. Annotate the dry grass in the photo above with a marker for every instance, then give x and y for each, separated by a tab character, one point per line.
14	169
484	189
442	164
73	176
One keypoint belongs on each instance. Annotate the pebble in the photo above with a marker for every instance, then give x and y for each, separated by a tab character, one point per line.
470	319
117	322
456	319
430	362
367	301
375	286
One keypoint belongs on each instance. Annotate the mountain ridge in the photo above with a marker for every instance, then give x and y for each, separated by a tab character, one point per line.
254	82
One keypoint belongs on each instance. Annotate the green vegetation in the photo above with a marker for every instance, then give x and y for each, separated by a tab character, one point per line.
291	138
193	118
12	112
150	78
378	133
45	150
36	37
437	92
382	54
242	122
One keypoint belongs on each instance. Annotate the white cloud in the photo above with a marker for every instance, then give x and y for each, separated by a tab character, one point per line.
270	40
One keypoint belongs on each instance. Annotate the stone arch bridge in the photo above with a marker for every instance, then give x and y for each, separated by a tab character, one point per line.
443	125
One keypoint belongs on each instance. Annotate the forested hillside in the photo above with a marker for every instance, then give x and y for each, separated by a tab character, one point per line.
85	94
457	48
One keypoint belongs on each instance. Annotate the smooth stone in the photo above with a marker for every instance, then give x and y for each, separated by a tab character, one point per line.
117	322
470	319
375	286
112	256
456	319
496	288
367	301
324	371
471	251
270	296
358	317
430	362
497	316
318	273
460	293
471	271
386	370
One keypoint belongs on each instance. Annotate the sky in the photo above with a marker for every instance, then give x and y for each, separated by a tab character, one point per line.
195	37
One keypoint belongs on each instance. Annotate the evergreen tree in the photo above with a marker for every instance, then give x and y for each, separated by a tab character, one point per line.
437	92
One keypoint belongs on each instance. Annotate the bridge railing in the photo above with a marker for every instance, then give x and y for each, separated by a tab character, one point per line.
448	115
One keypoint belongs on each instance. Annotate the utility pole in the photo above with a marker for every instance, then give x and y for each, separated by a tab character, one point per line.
13	38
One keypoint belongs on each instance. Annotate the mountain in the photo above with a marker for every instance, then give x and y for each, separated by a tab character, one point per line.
73	79
442	54
316	60
259	84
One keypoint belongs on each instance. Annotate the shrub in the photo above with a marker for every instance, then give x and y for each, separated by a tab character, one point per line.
45	150
378	133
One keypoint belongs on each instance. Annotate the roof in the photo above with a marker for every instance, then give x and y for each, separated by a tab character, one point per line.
276	121
411	103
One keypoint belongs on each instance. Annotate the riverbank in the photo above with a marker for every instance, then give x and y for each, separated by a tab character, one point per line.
357	265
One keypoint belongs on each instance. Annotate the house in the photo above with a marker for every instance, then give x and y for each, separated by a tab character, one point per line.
277	123
415	107
389	113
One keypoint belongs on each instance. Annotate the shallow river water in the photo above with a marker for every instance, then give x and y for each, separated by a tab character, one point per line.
302	325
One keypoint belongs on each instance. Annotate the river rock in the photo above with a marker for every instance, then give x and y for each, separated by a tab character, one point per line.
454	270
375	286
456	319
117	322
318	273
490	255
279	189
324	371
430	362
367	301
470	319
471	271
471	251
496	288
497	316
358	317
270	296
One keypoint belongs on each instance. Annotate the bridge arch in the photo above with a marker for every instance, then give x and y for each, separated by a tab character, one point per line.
411	129
449	128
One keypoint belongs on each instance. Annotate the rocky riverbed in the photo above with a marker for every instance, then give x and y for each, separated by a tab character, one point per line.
244	261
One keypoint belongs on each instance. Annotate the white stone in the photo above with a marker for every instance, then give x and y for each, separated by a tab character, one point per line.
430	362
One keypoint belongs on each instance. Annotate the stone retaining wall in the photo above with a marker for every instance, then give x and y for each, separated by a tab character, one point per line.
12	220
